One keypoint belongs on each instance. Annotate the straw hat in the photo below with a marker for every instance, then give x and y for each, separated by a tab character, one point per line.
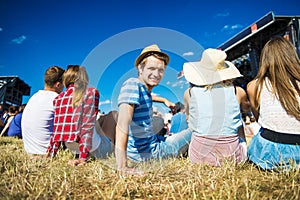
152	48
212	68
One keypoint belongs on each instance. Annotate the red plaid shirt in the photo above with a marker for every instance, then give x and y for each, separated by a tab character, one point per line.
74	125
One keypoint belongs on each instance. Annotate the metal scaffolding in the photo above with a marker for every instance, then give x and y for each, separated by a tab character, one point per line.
12	90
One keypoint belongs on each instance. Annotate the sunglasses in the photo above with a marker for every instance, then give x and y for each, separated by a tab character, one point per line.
73	66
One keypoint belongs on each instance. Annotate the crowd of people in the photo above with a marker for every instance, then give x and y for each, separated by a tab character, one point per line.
218	121
10	121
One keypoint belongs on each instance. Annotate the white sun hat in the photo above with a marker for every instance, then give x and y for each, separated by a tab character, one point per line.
212	68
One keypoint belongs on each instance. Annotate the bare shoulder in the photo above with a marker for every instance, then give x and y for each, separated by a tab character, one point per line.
186	92
251	87
241	94
240	91
186	95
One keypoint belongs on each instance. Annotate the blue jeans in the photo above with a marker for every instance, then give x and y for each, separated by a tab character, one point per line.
105	149
102	146
172	146
175	145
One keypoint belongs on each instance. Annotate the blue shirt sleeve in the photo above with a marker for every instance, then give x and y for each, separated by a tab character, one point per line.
129	93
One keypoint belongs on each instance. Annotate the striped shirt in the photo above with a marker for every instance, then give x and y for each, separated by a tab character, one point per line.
142	141
74	125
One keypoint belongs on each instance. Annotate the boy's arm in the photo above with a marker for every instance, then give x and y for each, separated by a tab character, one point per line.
122	131
162	100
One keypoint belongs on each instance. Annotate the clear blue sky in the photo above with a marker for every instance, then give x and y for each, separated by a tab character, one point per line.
107	36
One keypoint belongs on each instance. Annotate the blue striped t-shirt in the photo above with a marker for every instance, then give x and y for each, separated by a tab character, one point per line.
142	141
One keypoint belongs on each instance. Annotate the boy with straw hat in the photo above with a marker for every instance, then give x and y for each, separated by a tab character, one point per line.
135	138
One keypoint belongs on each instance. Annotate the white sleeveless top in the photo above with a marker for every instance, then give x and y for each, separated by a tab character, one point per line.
214	112
273	116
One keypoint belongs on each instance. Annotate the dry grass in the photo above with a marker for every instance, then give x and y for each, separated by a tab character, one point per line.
25	178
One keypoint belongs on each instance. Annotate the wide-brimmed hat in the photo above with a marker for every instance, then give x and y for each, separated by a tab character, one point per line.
212	68
146	52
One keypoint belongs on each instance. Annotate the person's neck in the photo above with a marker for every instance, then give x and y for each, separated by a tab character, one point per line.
49	89
147	86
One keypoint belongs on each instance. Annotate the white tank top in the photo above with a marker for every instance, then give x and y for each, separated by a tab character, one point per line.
214	111
273	116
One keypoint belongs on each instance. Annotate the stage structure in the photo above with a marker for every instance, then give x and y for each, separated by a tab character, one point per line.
244	48
12	90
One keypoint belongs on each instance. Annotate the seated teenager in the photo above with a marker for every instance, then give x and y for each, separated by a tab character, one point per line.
37	118
135	138
214	111
275	102
75	112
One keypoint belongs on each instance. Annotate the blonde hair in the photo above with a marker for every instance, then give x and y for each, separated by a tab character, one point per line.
279	63
78	76
225	83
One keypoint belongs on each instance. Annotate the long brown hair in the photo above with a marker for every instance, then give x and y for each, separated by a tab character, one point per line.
76	75
280	63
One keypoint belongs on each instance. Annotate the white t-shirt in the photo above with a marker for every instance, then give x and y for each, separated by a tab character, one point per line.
37	122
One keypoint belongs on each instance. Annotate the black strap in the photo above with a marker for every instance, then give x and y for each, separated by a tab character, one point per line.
283	138
190	92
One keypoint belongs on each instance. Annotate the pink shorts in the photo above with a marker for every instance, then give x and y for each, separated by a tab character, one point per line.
215	150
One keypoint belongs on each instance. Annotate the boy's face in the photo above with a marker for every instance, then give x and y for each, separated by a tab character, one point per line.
152	73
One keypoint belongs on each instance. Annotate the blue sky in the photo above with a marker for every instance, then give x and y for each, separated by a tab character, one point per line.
107	36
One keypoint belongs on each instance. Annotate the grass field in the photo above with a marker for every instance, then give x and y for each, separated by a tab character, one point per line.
23	177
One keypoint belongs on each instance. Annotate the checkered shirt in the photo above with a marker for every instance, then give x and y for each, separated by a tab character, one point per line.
74	124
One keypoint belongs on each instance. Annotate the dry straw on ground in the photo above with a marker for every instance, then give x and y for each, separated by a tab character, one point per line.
23	177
